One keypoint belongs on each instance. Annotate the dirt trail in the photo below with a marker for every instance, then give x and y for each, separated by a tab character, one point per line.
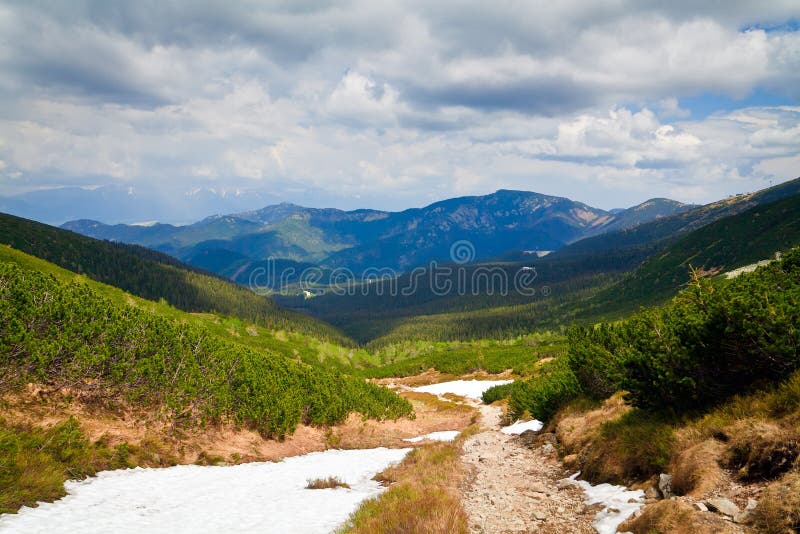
514	488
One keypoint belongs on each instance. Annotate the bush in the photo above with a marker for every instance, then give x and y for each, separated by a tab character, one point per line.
596	357
712	341
543	395
56	333
495	393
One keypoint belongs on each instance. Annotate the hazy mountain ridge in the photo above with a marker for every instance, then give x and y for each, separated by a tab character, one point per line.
360	239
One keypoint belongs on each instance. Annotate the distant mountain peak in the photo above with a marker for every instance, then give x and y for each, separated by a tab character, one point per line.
494	223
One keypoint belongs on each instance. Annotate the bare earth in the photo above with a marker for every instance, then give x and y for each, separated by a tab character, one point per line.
514	488
228	442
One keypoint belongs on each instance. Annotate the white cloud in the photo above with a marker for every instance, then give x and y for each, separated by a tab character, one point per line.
401	103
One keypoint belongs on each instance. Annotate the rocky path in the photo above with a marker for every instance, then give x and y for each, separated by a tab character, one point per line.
515	488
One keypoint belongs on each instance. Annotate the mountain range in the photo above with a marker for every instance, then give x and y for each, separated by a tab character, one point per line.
361	239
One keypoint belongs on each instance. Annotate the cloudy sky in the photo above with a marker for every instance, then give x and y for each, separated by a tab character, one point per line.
396	104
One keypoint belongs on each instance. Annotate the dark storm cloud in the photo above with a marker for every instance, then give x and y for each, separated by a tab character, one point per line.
540	96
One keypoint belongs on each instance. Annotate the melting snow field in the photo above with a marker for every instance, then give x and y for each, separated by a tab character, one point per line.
614	500
444	435
472	389
520	427
254	497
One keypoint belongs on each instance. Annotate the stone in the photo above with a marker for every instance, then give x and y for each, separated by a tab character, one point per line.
665	485
565	483
528	438
548	437
538	487
701	507
548	448
723	506
652	493
748	514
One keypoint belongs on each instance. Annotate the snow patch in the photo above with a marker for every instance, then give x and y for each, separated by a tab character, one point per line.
254	497
444	435
748	268
472	389
615	502
520	427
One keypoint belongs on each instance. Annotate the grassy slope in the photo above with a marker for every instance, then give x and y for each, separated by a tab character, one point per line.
726	244
457	358
230	329
155	276
69	334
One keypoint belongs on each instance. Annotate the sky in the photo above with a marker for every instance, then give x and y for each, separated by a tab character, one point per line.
391	105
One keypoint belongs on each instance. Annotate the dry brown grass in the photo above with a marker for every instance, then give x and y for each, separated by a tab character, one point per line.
575	429
225	442
327	483
676	517
612	443
423	496
778	508
761	450
695	466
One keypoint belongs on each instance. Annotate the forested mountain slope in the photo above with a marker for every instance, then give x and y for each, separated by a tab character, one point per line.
732	242
579	287
153	275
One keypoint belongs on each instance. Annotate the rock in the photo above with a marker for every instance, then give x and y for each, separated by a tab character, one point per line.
665	485
723	506
538	487
652	493
528	438
565	483
548	437
547	448
748	514
539	515
701	507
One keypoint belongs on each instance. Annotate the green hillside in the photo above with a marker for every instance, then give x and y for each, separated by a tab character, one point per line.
603	278
291	344
66	333
154	276
724	245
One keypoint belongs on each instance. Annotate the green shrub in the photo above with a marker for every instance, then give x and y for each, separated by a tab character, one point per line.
58	333
713	340
544	394
495	393
596	357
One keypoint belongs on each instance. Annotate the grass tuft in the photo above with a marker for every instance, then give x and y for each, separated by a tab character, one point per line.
423	496
778	508
327	483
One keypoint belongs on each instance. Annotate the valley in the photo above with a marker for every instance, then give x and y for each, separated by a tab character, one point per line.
399	267
641	361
